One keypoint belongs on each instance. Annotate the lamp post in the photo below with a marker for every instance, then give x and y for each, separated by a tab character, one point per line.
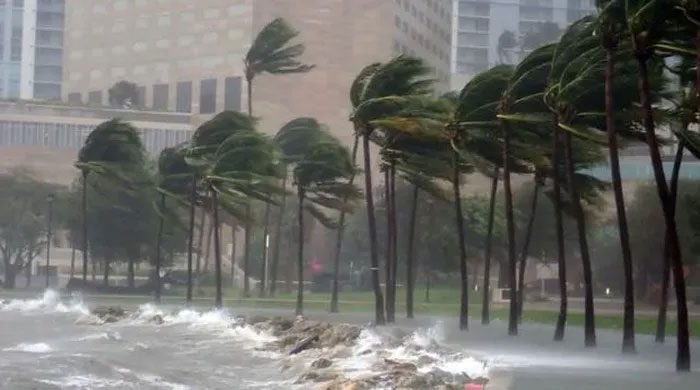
49	200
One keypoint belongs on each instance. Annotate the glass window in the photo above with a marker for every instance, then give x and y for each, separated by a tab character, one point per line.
160	97
95	98
207	96
232	93
184	97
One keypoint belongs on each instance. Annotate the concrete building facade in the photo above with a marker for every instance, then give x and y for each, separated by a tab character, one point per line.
31	49
478	25
187	56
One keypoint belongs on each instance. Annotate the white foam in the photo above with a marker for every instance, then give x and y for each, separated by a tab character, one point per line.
50	302
114	336
88	382
30	348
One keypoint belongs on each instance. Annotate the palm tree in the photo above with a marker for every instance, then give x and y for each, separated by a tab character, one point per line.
294	140
111	147
322	179
174	181
537	183
646	24
402	76
243	167
272	52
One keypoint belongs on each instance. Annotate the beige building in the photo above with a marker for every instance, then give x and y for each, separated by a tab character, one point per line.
187	55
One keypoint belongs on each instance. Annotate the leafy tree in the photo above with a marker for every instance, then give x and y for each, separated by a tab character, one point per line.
22	221
506	42
112	148
124	94
322	179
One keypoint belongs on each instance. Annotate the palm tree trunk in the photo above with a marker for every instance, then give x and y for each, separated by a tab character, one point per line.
130	277
72	260
559	228
459	218
510	229
526	247
190	242
372	227
394	243
589	316
300	258
200	242
246	254
389	247
666	274
628	344
105	276
85	228
218	302
93	269
159	241
339	238
233	255
410	278
277	240
263	267
485	314
210	233
683	336
250	95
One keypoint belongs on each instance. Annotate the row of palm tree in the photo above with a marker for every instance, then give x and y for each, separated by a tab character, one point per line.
604	84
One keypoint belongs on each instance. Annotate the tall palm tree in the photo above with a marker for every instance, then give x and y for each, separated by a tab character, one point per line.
646	25
322	179
272	52
524	253
174	181
294	140
402	76
611	29
111	148
243	167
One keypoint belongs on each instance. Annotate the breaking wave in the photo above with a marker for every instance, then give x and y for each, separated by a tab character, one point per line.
49	303
30	348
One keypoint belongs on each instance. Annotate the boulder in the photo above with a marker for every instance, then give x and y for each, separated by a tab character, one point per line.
318	376
400	366
257	320
322	363
304	345
425	360
114	313
157	319
351	384
339	334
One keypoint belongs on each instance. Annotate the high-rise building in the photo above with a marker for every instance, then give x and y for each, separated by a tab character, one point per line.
187	55
31	49
489	32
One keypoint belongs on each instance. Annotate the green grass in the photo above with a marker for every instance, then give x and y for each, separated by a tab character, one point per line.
443	302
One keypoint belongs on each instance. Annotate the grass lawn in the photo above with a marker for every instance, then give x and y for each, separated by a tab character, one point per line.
443	301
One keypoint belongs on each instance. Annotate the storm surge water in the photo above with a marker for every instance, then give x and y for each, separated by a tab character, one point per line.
152	347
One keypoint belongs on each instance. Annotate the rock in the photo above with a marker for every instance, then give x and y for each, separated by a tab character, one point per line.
318	376
157	319
339	334
400	366
114	313
257	320
425	360
411	382
322	363
280	324
438	377
352	384
304	345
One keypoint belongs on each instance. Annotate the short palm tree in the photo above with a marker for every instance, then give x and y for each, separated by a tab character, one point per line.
322	178
294	140
110	149
402	76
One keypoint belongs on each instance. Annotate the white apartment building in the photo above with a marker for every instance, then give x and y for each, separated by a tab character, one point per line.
479	25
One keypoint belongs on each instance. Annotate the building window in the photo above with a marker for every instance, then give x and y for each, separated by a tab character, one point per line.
232	93
207	96
95	98
75	97
140	97
184	97
160	97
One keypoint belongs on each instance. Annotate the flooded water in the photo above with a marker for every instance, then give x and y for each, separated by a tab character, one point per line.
46	343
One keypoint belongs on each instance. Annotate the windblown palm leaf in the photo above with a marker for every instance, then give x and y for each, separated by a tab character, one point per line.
273	52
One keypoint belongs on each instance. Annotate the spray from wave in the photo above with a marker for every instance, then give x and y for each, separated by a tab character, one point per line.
49	303
30	348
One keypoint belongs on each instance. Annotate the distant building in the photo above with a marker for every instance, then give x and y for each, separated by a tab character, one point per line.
46	137
187	56
31	49
482	28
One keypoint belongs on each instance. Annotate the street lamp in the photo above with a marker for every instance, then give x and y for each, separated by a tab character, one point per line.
49	200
